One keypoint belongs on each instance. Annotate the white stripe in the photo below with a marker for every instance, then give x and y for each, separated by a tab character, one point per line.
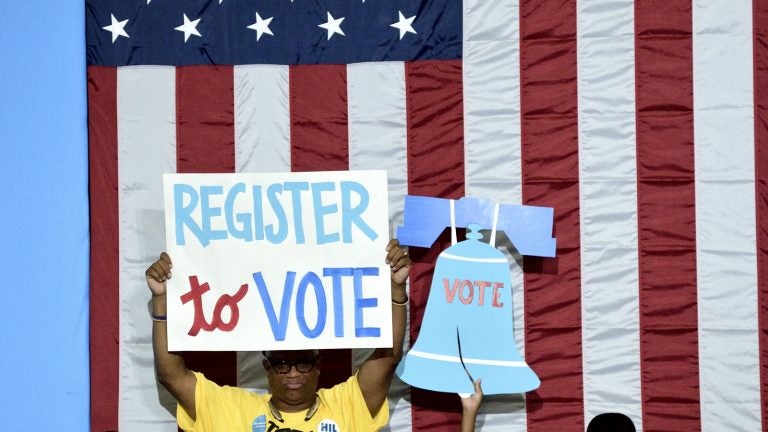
492	100
492	241
377	140
262	121
472	259
377	126
262	144
454	359
725	216
492	154
608	209
453	222
146	127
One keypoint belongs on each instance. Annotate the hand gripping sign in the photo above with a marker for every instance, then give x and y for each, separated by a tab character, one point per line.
467	331
278	261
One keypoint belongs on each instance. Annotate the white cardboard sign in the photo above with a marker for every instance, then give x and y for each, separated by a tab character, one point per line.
278	261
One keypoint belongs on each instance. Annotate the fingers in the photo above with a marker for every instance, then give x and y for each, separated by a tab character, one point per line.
397	257
471	402
160	270
478	386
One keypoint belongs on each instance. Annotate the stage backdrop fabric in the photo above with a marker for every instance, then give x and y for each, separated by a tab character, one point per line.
643	124
43	217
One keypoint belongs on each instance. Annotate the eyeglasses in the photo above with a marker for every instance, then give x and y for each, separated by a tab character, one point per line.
284	366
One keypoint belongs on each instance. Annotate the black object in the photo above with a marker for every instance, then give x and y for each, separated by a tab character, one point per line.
611	422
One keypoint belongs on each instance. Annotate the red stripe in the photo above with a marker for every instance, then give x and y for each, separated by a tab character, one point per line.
666	216
205	119
434	106
319	142
104	271
205	142
550	178
319	131
760	21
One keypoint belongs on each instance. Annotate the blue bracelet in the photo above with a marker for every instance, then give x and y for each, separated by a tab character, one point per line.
158	318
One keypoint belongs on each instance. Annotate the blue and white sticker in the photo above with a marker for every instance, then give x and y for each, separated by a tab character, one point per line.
328	425
259	424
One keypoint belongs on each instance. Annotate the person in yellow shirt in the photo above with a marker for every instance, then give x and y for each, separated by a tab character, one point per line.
294	404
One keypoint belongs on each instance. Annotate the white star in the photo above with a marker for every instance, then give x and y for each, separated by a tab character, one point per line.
189	28
404	25
148	1
332	25
261	26
117	28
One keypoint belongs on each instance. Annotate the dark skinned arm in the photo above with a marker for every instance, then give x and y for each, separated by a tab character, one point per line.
375	374
170	368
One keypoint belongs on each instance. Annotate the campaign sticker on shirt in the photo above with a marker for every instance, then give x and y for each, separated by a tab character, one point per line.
328	425
259	424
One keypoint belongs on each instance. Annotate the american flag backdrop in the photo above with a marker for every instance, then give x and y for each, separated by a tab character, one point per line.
644	124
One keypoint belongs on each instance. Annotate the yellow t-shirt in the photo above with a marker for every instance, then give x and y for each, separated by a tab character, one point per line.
232	409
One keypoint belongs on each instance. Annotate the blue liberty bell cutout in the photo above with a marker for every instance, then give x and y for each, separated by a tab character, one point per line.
467	331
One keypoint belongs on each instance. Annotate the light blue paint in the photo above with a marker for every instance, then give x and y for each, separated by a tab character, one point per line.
529	228
44	217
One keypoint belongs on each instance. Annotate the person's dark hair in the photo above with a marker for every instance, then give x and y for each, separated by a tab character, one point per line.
314	351
611	422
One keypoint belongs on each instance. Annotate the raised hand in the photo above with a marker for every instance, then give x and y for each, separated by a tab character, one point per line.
399	262
158	273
